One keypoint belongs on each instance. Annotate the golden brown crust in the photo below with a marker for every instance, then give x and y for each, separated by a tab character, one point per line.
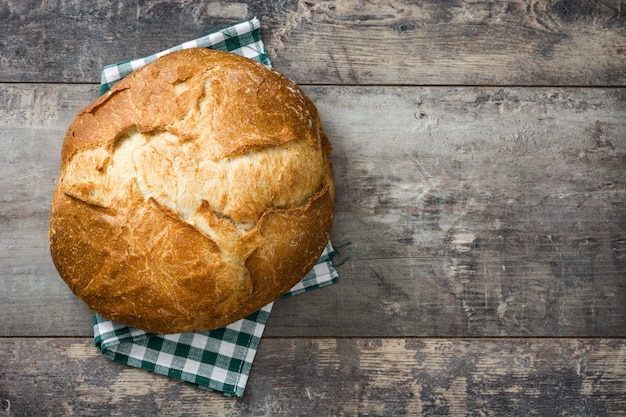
194	192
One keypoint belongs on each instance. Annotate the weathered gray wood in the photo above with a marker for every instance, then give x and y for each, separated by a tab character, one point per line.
519	42
33	121
460	211
464	211
505	205
332	377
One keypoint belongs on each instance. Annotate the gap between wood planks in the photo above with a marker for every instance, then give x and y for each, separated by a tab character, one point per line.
391	85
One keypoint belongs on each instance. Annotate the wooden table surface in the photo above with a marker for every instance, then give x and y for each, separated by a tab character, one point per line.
479	150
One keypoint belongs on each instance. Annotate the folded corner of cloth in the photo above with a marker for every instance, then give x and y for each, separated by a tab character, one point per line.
218	360
242	38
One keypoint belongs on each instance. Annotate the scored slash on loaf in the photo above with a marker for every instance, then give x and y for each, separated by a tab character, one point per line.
194	192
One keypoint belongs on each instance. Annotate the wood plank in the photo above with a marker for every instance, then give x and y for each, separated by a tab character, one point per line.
519	42
33	120
506	205
464	211
331	377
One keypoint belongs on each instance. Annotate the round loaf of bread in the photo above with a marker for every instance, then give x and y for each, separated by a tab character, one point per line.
194	192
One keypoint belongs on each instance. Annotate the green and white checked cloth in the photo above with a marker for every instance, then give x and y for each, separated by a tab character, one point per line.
243	38
218	360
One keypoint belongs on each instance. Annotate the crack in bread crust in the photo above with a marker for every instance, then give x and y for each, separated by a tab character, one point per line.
193	193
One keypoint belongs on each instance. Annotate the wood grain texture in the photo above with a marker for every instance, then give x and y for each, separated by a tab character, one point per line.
505	207
463	211
518	42
490	204
333	377
33	121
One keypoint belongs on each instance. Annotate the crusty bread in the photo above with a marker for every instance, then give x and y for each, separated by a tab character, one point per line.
193	193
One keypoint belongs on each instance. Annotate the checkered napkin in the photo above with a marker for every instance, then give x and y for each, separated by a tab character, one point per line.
218	360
